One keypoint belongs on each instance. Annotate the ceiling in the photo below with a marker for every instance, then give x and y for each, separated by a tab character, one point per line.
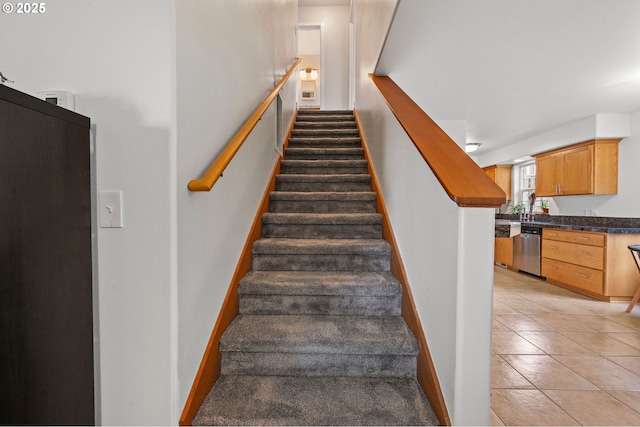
514	69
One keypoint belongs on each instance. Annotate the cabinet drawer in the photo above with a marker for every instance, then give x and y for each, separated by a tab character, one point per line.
586	256
591	239
580	277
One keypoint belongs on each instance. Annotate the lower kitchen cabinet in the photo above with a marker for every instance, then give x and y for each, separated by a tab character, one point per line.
503	251
596	264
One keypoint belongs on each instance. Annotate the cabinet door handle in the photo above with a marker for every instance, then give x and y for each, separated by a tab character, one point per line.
582	238
551	267
552	234
584	276
582	253
553	247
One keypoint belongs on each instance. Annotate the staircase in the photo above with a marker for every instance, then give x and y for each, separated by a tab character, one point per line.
319	339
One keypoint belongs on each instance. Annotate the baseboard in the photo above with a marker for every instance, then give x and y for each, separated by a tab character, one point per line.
427	376
209	370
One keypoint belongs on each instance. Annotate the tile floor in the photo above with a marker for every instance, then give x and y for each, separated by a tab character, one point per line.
560	358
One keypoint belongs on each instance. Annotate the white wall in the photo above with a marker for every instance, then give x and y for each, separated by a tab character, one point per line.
336	51
447	251
118	57
229	54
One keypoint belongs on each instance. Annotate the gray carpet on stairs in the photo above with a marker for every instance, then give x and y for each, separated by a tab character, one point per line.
265	400
319	339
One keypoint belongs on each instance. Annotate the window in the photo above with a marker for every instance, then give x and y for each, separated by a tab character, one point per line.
528	186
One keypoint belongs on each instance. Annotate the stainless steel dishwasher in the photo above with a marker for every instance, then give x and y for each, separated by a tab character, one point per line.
526	249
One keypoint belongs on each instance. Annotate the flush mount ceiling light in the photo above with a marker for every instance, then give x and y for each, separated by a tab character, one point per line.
472	146
309	73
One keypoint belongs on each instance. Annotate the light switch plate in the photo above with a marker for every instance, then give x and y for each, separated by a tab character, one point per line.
110	206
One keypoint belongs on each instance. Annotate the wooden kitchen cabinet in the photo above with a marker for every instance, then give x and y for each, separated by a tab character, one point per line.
501	175
590	167
503	251
596	264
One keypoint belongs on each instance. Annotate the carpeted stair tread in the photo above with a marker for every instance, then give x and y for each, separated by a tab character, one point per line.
322	202
325	124
349	141
324	163
319	283
329	219
304	112
324	153
321	246
325	118
317	293
261	400
327	196
322	226
319	335
318	183
324	167
324	132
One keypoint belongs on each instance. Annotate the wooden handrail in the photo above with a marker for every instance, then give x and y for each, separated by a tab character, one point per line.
209	178
462	179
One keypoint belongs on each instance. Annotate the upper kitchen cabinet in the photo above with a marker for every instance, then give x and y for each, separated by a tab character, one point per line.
589	167
501	175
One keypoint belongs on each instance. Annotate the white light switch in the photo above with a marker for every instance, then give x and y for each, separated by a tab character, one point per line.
110	203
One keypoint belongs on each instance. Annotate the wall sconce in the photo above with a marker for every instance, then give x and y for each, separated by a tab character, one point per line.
471	147
309	73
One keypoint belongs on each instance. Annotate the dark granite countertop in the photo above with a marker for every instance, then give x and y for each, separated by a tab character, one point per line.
612	225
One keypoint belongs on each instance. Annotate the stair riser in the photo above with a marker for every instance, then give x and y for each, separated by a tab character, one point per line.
295	364
325	143
323	186
323	231
293	206
321	262
325	118
325	113
294	155
329	305
325	125
324	133
302	170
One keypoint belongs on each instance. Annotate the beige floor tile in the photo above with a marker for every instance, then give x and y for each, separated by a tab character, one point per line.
629	398
631	363
597	326
497	326
495	420
547	373
602	372
508	342
629	338
500	308
561	322
629	319
504	375
581	305
594	407
527	306
528	408
602	343
520	322
602	324
554	343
